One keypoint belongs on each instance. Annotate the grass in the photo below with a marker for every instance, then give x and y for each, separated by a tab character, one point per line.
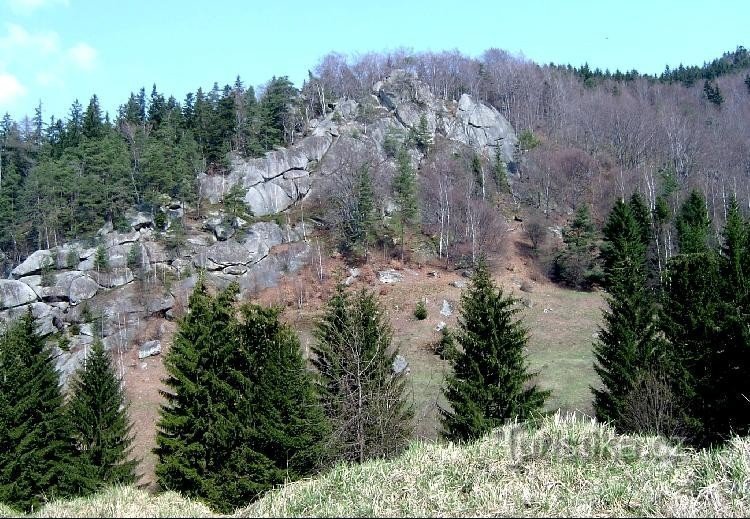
563	466
560	345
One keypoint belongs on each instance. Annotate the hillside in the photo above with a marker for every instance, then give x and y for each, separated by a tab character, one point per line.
565	467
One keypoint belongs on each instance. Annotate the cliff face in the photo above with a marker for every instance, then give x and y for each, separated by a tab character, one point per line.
114	286
397	105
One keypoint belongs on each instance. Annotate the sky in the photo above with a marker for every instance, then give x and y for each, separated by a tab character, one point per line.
56	51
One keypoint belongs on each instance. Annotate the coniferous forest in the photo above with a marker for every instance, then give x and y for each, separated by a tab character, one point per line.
645	178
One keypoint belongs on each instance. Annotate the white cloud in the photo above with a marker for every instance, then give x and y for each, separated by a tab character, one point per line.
10	89
83	56
19	39
29	6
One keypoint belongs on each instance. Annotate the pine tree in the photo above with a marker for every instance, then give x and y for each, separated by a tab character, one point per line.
627	346
38	457
99	417
361	396
490	380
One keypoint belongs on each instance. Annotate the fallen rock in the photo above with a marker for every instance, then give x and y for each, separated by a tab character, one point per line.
34	263
15	293
353	274
223	232
440	326
401	365
459	283
149	349
82	288
390	276
446	309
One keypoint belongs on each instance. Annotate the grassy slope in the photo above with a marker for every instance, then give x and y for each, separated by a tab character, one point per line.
564	467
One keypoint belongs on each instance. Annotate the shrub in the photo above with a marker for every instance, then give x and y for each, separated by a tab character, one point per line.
420	312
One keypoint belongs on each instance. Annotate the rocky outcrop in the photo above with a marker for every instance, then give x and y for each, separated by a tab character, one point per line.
399	103
273	183
469	121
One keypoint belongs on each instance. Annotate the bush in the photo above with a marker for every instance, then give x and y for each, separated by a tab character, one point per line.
446	347
420	312
528	141
48	274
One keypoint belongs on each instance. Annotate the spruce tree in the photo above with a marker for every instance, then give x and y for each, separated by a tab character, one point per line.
732	412
194	423
240	415
693	224
361	395
359	215
576	264
627	346
691	321
38	457
290	426
99	418
490	380
405	189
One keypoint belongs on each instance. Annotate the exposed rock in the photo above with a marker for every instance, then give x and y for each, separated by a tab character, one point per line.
235	270
446	309
34	263
15	293
481	126
527	302
155	252
116	238
274	182
59	290
440	326
223	232
459	283
401	365
390	276
353	274
117	256
68	362
149	349
87	329
106	228
222	254
82	288
139	220
113	277
45	316
211	223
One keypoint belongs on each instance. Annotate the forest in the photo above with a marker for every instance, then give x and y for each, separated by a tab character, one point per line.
645	178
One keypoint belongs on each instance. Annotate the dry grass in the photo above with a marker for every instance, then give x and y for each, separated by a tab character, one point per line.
565	466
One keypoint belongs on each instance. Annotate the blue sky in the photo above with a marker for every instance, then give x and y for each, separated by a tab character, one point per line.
59	50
